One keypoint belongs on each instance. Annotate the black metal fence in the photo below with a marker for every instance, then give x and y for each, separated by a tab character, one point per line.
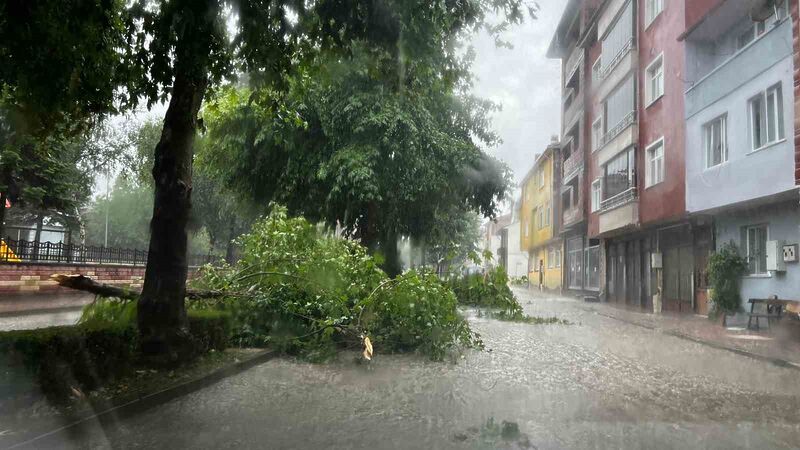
58	252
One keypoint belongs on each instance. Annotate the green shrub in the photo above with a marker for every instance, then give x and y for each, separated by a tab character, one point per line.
725	270
305	292
519	281
211	330
59	358
488	290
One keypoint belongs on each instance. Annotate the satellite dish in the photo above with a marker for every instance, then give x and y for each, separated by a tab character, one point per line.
761	10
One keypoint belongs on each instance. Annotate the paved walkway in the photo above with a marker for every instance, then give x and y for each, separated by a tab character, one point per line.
598	383
775	345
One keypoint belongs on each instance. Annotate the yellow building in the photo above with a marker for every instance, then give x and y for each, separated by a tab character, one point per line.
539	233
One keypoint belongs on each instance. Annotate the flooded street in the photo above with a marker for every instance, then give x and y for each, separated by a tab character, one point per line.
598	383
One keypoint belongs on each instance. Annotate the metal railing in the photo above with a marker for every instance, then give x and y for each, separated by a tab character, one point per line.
607	68
613	132
620	199
573	164
58	252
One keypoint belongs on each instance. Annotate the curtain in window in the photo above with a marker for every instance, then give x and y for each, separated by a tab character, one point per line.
620	103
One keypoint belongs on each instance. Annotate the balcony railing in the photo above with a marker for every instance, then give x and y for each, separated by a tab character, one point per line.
619	199
573	62
573	164
617	129
572	215
610	65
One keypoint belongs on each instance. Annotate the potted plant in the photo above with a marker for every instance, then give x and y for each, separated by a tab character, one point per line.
725	270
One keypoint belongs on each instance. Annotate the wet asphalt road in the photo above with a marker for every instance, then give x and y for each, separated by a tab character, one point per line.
598	383
31	320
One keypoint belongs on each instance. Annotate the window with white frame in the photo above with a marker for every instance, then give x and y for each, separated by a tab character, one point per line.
551	257
652	9
597	133
618	38
620	104
597	70
547	214
597	194
619	174
558	258
541	177
715	141
655	163
655	79
540	217
753	32
755	244
766	117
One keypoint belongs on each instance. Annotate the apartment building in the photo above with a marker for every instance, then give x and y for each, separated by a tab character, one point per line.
582	262
741	171
638	243
539	215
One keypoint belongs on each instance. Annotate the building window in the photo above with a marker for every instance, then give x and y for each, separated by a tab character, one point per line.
597	194
655	163
547	215
619	105
715	141
756	246
619	174
652	9
753	32
618	39
558	258
655	80
541	178
551	257
766	117
597	70
540	217
597	133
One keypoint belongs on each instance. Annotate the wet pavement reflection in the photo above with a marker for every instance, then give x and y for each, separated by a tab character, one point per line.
598	383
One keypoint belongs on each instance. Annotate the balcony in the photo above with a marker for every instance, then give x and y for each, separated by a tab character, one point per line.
572	216
573	165
573	112
573	63
620	211
616	69
618	138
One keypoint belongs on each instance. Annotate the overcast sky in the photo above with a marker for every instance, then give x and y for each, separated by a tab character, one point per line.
526	84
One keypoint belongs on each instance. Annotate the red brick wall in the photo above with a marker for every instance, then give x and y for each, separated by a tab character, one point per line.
35	278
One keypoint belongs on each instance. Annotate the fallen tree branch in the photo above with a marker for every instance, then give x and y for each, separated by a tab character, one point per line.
86	284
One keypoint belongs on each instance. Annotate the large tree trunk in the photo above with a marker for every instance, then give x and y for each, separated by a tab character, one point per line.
3	198
391	262
163	330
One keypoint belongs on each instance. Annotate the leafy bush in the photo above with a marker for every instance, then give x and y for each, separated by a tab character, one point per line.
519	281
308	293
59	358
725	270
489	290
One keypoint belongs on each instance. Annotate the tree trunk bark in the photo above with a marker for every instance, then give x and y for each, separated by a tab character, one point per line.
229	249
3	198
163	329
391	263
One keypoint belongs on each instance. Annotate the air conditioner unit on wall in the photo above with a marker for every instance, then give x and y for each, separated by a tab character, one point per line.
775	262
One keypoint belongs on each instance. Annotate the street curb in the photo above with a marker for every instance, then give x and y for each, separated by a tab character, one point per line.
112	413
776	361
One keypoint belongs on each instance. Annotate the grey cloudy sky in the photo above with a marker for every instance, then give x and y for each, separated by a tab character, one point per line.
526	84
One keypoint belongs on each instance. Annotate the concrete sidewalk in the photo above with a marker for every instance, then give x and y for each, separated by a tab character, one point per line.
779	344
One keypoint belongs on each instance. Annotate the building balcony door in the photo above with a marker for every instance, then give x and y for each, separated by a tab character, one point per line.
678	279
